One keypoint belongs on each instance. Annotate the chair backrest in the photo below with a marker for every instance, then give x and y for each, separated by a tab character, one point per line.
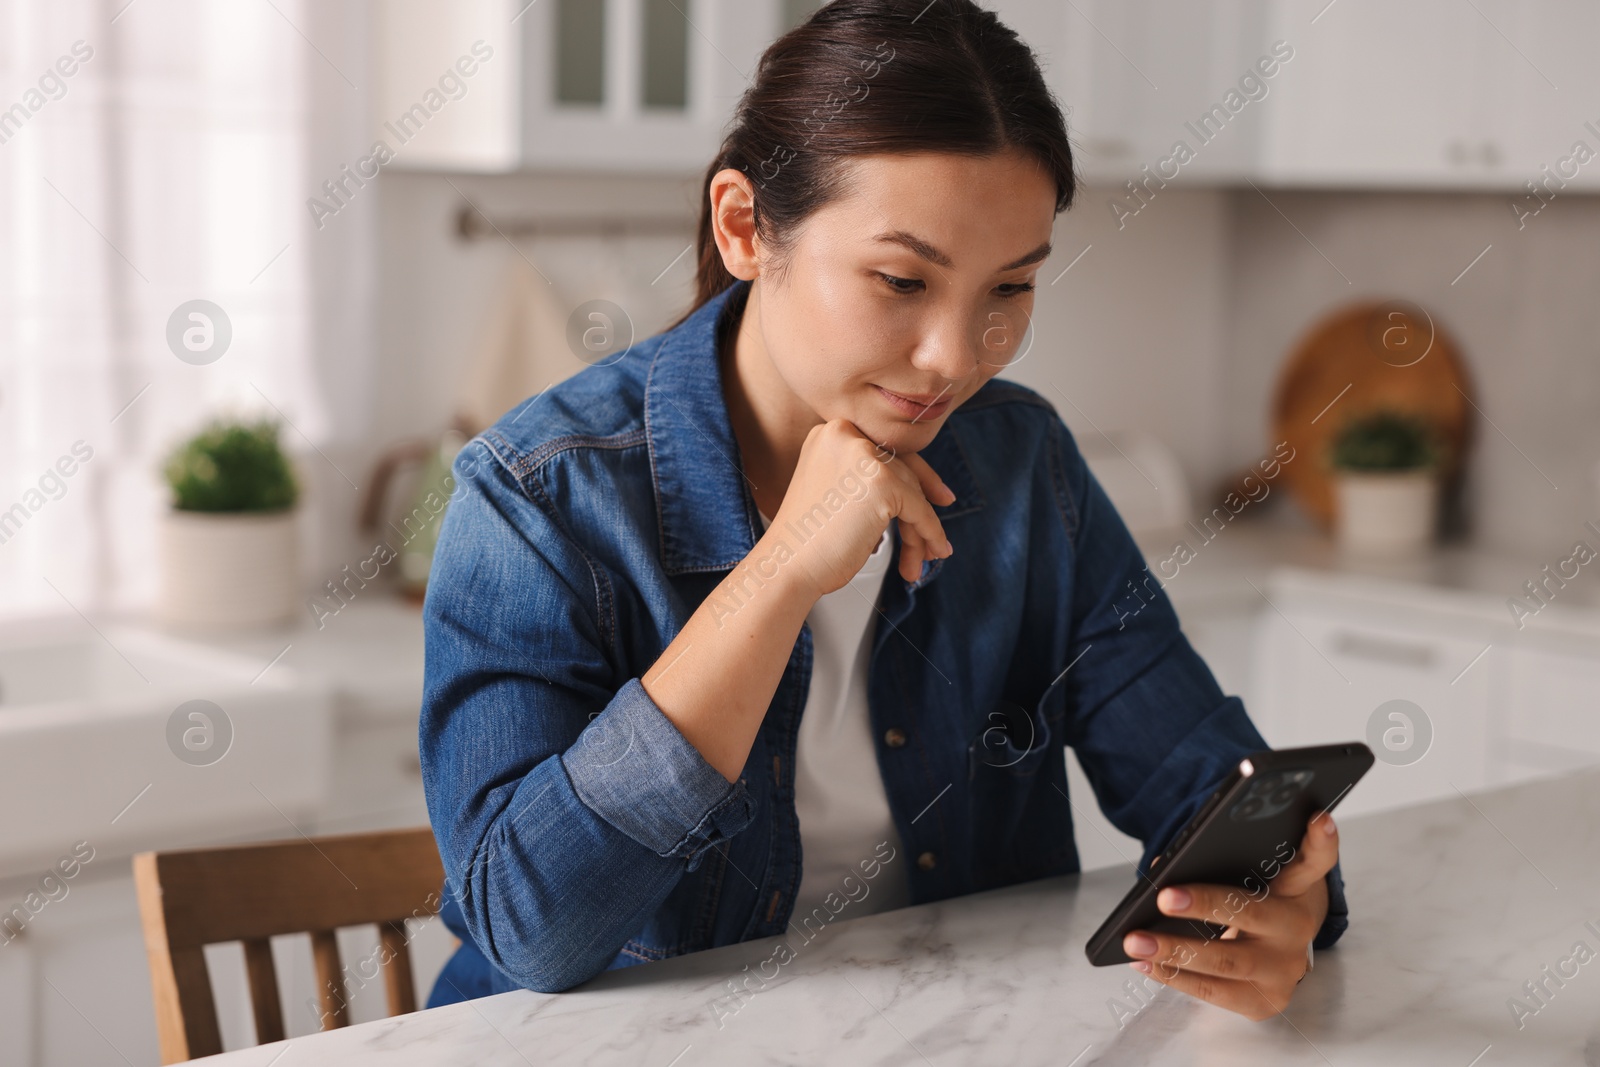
196	897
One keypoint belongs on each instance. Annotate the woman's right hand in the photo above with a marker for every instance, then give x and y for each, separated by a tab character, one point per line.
844	491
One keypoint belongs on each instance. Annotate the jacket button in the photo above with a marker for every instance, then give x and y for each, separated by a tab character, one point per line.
927	861
894	737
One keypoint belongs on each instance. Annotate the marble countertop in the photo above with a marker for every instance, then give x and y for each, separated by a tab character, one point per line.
1454	906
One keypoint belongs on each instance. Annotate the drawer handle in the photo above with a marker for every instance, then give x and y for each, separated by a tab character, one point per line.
1383	650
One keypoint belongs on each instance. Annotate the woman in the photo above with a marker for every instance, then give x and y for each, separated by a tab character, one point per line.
674	698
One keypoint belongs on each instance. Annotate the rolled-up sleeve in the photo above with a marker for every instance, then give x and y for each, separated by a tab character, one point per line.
1151	728
566	805
643	777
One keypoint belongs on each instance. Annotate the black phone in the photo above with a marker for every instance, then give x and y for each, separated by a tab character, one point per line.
1243	835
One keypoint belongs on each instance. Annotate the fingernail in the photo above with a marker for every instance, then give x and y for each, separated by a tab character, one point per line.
1174	899
1139	945
1327	825
1141	966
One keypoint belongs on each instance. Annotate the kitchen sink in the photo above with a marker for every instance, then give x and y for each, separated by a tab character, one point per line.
127	738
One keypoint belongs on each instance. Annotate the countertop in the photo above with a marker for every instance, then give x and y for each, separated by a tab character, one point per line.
1463	580
369	653
1454	906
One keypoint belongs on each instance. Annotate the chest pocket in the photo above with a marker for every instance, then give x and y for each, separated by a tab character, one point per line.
1013	740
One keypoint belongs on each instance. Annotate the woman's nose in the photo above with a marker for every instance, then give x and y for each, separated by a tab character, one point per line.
954	347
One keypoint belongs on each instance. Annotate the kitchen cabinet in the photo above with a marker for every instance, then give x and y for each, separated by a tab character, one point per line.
1552	103
1491	94
17	994
1393	679
1502	705
1135	76
574	85
1431	93
1362	93
446	90
669	73
1553	724
1382	91
647	85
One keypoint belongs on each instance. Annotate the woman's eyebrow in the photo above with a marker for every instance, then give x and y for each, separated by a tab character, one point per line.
1038	255
926	251
917	246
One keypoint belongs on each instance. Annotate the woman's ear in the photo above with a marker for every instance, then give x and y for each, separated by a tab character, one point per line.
733	223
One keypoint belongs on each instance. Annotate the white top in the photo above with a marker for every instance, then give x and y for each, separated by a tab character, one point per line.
839	794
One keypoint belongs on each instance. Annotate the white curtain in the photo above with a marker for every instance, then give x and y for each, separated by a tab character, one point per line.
154	153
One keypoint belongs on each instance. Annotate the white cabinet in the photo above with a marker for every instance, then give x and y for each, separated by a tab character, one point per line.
669	75
578	85
1382	92
1136	76
1332	673
1361	93
447	81
1552	100
1374	94
1431	93
1552	724
1499	705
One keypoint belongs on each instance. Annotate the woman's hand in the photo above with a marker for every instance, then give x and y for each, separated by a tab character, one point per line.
844	491
1254	966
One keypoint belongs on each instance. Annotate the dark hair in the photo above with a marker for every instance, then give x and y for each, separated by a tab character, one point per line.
863	77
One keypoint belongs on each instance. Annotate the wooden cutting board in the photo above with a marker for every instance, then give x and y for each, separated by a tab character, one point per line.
1362	358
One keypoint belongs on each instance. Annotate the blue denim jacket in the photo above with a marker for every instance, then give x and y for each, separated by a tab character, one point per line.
581	832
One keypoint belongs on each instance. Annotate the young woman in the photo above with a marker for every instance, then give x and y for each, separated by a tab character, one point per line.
675	696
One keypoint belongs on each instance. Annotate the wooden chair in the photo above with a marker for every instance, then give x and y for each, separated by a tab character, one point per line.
192	898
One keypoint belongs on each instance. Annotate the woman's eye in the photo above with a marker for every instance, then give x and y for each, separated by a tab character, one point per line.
901	285
1015	289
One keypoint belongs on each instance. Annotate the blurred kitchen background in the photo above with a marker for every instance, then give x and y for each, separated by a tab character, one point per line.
1336	361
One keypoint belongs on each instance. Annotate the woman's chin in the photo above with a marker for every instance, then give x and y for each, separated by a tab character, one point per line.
902	436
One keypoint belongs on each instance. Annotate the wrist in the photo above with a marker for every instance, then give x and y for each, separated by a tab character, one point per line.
776	566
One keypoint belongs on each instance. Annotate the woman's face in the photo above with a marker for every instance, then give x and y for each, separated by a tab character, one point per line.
901	297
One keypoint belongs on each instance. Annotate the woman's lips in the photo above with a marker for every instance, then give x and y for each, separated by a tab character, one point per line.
918	408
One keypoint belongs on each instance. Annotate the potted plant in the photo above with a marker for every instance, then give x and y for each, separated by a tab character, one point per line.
1387	483
228	549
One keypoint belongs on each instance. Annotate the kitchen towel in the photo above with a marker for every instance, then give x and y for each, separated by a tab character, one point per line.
521	350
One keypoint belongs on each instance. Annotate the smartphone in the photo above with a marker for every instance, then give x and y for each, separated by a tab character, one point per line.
1245	833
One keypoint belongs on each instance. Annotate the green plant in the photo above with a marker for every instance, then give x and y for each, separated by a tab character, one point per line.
1385	441
232	466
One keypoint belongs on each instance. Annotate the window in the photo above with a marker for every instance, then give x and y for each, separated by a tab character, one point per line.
149	157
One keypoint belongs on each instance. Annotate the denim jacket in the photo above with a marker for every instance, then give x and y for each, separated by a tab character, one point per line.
581	832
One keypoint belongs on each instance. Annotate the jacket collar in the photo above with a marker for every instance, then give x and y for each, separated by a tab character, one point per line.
706	512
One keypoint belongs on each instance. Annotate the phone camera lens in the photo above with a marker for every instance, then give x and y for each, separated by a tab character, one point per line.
1247	808
1266	785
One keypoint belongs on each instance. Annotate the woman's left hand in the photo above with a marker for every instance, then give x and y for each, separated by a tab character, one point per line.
1254	967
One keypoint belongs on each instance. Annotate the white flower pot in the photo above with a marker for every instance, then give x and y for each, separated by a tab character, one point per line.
228	570
1386	513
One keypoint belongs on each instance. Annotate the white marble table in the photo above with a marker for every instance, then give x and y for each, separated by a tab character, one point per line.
1455	906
